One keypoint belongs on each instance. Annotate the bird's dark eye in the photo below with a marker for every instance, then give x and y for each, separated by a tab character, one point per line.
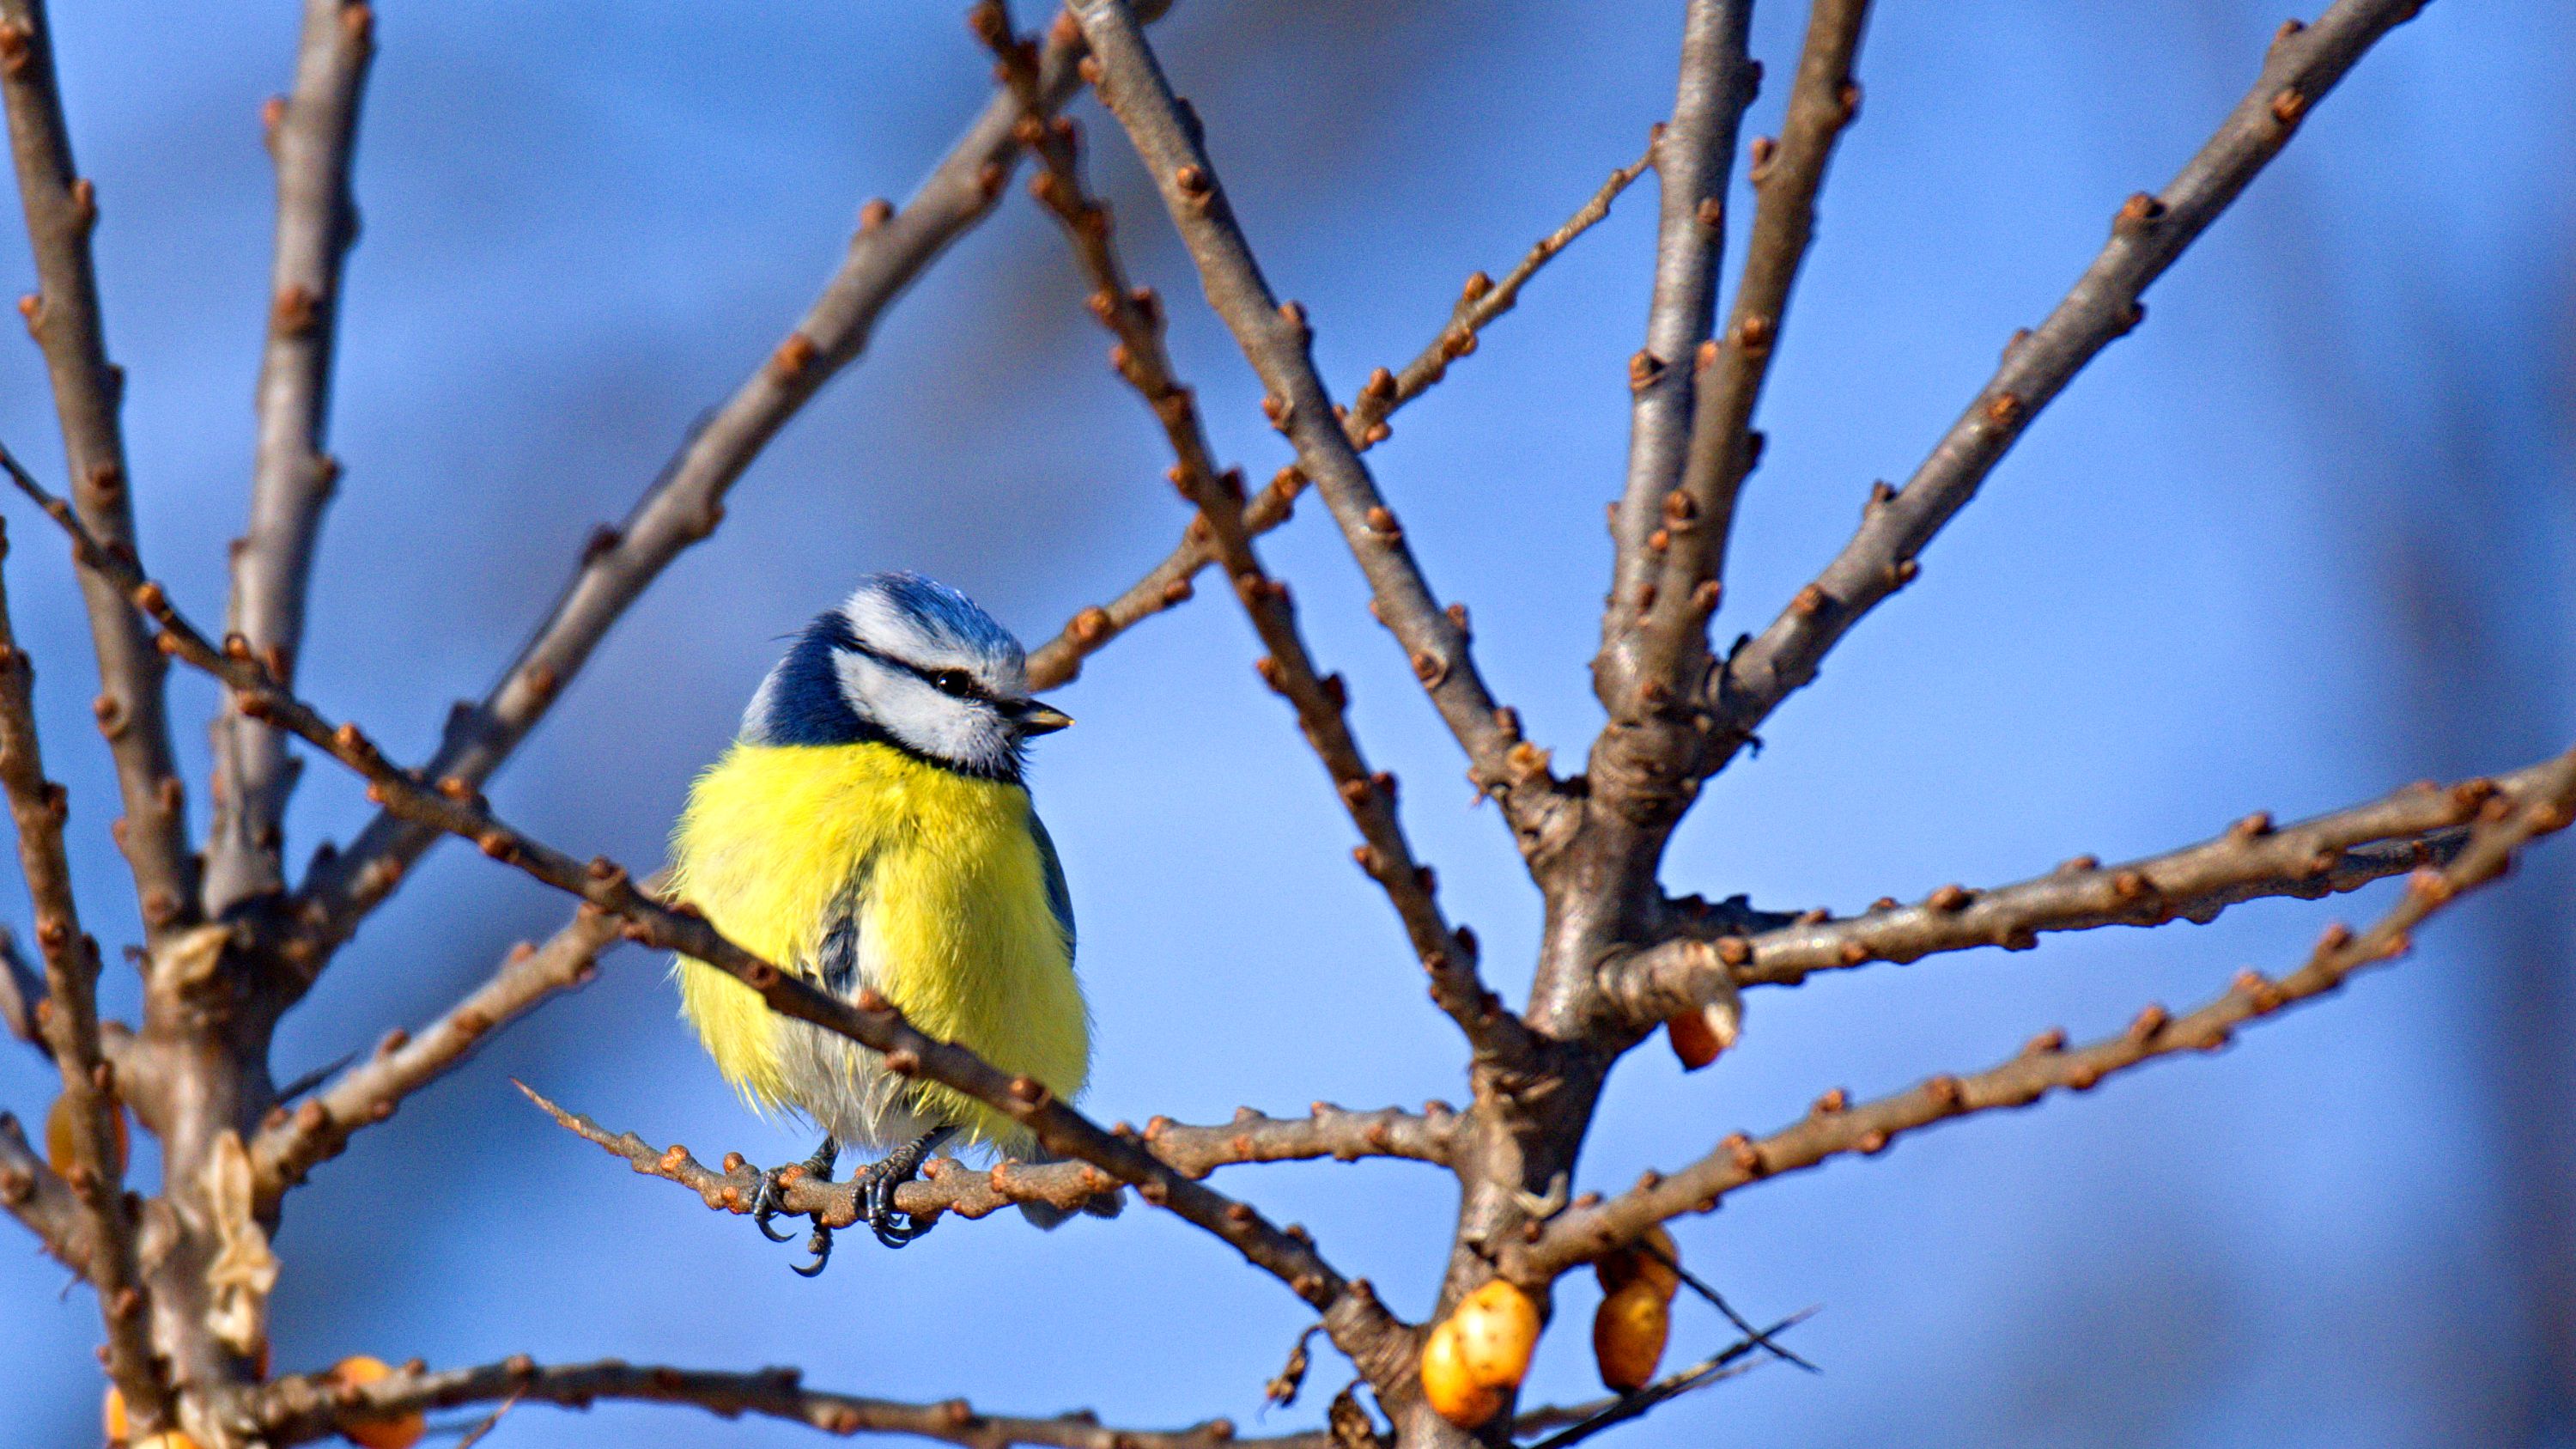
956	683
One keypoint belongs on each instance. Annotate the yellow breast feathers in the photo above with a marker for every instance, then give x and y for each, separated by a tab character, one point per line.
946	880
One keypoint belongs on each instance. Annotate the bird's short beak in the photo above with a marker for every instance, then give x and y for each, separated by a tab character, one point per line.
1039	718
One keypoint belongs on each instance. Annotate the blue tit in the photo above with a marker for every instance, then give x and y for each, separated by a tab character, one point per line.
870	827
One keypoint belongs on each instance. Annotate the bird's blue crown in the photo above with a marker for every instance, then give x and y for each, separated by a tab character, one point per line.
906	661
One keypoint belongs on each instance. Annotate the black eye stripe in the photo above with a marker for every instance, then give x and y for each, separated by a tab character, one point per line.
966	688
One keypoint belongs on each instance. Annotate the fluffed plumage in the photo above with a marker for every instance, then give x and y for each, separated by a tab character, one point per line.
869	827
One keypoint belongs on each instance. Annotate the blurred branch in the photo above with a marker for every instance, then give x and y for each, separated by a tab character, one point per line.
22	994
312	134
1694	154
63	316
2507	820
41	1201
1167	584
1361	1327
301	1409
1275	338
1134	316
686	502
2419	825
947	1186
291	1143
2146	236
69	1021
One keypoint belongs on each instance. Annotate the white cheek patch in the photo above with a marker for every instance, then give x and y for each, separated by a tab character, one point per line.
960	731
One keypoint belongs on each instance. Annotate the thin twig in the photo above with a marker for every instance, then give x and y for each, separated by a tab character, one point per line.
947	1186
2146	236
312	134
1582	1421
292	1142
1694	154
2254	859
1275	338
1361	1326
2507	820
686	502
1167	584
301	1409
69	1021
1322	704
63	315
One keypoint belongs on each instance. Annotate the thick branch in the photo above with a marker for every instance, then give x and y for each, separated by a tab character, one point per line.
1134	316
947	1186
2507	821
2419	825
292	1142
1360	1326
69	1022
1167	584
1275	339
298	1410
1693	154
686	502
2146	237
63	315
313	134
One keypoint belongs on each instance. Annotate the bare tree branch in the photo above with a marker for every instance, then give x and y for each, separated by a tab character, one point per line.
1167	584
63	316
1134	316
1361	1327
301	1409
291	1143
41	1201
1694	154
2420	825
2507	820
1275	339
2146	237
1730	368
313	134
947	1186
69	1020
686	502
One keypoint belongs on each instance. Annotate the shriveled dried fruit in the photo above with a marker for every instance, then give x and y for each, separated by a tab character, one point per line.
1635	1263
1497	1332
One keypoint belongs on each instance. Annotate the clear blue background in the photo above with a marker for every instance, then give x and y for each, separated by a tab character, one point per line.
2304	536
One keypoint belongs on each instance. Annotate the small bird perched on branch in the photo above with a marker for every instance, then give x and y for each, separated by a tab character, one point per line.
869	827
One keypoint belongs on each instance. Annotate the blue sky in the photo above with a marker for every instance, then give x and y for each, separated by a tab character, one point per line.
2188	593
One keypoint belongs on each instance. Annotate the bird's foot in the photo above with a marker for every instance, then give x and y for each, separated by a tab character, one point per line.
878	1181
771	1202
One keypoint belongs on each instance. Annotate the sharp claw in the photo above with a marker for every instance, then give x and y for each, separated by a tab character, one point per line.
765	1205
820	1245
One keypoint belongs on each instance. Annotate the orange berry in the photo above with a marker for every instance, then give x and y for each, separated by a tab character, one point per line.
114	1413
399	1433
175	1439
58	1136
1452	1392
1628	1334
